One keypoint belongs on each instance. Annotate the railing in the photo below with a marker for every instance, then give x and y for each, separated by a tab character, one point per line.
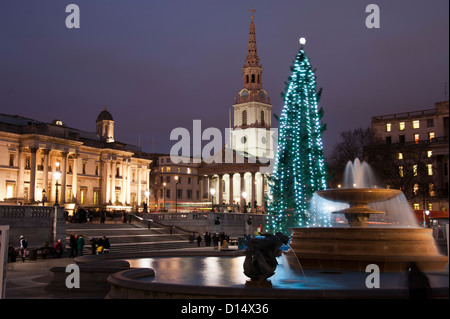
171	228
405	115
7	211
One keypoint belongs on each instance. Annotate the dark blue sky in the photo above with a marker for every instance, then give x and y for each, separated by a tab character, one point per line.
158	65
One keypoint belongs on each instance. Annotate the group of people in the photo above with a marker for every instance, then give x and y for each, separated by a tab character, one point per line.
100	245
219	240
76	245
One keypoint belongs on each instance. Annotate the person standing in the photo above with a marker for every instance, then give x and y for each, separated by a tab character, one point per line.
23	247
80	245
58	248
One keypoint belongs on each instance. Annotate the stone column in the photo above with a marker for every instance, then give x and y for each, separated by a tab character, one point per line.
33	175
128	168
113	182
63	177
124	181
243	200
230	195
253	186
74	178
220	181
45	172
263	200
139	189
107	178
21	173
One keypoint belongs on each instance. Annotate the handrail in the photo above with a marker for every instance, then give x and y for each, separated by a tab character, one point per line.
170	227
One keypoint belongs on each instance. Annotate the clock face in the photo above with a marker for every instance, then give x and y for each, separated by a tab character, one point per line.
244	95
262	95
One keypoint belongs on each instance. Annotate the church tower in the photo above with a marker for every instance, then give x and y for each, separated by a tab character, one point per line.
251	134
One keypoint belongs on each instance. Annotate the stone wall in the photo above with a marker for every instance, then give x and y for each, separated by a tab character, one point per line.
38	224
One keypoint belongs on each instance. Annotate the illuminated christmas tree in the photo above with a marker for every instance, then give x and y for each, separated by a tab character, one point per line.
299	168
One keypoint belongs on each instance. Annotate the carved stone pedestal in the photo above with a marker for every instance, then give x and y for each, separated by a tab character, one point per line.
258	284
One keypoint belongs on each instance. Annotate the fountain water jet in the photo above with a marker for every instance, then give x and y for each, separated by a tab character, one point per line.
391	247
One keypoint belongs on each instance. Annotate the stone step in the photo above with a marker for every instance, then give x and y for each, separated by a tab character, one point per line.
129	237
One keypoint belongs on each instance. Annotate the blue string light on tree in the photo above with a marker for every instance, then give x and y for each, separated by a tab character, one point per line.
299	168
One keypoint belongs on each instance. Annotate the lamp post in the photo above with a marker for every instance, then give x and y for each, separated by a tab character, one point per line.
57	176
44	198
164	195
176	193
212	191
425	213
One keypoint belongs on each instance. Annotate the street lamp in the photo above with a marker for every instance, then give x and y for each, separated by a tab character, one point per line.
212	191
57	176
425	212
164	195
176	193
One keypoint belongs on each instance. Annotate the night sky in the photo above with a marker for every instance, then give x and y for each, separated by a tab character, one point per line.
158	65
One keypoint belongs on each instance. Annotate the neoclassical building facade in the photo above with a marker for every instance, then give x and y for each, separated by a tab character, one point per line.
93	169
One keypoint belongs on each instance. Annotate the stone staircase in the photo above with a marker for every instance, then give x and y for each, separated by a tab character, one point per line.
129	238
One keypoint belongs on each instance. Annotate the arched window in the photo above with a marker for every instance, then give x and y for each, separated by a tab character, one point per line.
262	118
247	78
244	117
253	78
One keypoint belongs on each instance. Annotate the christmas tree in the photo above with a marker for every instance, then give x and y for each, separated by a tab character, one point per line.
299	168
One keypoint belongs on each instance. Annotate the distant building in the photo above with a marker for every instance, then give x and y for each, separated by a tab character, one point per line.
419	143
232	177
96	171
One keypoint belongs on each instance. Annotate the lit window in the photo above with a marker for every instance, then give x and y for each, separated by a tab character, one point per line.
400	171
416	206
96	197
431	136
388	127
400	155
168	169
416	138
83	196
430	206
429	153
430	169
189	170
431	190
10	190
402	126
416	189
415	170
416	124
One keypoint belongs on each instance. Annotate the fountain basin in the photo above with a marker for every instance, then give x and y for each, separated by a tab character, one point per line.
353	248
358	198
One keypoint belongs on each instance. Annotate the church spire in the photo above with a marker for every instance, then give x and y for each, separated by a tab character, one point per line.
252	53
252	70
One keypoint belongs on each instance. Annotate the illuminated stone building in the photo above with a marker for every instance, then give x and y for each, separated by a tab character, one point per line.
96	171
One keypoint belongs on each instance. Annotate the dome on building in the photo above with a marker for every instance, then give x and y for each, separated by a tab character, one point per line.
104	116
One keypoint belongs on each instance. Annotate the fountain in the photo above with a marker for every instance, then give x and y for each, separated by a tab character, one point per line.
260	261
391	246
